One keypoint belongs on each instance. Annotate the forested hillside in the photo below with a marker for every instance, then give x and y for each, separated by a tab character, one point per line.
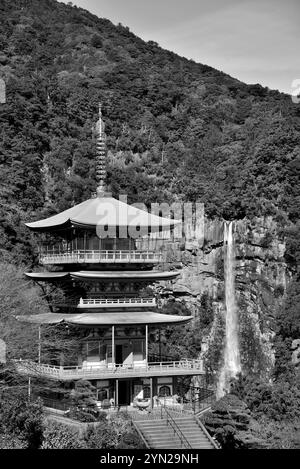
176	129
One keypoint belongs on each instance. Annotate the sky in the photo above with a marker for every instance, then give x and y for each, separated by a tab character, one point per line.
254	41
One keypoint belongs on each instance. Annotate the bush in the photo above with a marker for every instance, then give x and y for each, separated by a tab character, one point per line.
12	442
278	401
57	436
278	435
115	433
103	436
22	419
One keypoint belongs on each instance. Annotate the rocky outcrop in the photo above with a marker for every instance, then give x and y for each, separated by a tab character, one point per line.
261	280
296	352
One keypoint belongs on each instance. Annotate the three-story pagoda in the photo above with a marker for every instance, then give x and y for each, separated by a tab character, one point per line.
104	253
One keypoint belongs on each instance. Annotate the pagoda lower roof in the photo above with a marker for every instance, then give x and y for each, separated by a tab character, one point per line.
105	319
47	275
105	275
101	211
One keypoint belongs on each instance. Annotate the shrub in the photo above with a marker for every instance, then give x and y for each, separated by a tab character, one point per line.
22	419
57	436
277	401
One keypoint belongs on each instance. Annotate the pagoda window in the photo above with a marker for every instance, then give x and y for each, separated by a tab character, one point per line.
102	393
138	350
94	243
146	392
108	244
108	354
125	244
164	391
102	352
93	349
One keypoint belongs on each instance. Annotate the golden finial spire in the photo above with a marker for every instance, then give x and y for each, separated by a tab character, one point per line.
101	156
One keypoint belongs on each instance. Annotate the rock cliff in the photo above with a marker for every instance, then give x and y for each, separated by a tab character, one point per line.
261	279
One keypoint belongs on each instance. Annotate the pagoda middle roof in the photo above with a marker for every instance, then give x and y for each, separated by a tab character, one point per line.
105	318
102	211
105	275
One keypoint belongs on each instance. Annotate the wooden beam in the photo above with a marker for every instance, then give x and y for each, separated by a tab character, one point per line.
117	393
151	393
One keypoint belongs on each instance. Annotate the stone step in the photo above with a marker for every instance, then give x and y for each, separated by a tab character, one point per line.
159	434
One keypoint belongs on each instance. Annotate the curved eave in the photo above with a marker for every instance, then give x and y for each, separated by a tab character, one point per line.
103	275
106	319
35	226
42	276
124	275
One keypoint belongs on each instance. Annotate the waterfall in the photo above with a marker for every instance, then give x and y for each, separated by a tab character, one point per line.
231	364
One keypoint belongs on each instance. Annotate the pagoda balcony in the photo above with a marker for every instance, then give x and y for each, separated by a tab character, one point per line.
79	256
112	371
116	302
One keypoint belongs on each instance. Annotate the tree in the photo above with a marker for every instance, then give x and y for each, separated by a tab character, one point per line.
83	402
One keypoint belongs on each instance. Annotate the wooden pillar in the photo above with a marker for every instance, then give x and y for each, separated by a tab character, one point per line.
147	344
117	393
39	346
84	241
113	345
151	393
159	344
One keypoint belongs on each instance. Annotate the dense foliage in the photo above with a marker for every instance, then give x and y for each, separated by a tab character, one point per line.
21	424
57	436
176	129
116	433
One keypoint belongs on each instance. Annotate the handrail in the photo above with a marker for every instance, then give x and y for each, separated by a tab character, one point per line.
135	426
108	301
203	428
175	427
56	370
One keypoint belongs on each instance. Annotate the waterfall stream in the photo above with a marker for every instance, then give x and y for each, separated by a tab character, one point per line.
231	365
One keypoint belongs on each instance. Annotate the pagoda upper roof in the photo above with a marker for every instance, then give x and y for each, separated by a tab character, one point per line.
101	211
105	275
105	318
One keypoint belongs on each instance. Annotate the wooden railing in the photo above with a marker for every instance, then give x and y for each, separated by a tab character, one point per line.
111	302
55	256
187	367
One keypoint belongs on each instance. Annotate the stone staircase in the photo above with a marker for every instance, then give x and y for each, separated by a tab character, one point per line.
159	434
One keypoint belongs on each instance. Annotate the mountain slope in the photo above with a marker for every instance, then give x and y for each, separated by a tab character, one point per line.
176	129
